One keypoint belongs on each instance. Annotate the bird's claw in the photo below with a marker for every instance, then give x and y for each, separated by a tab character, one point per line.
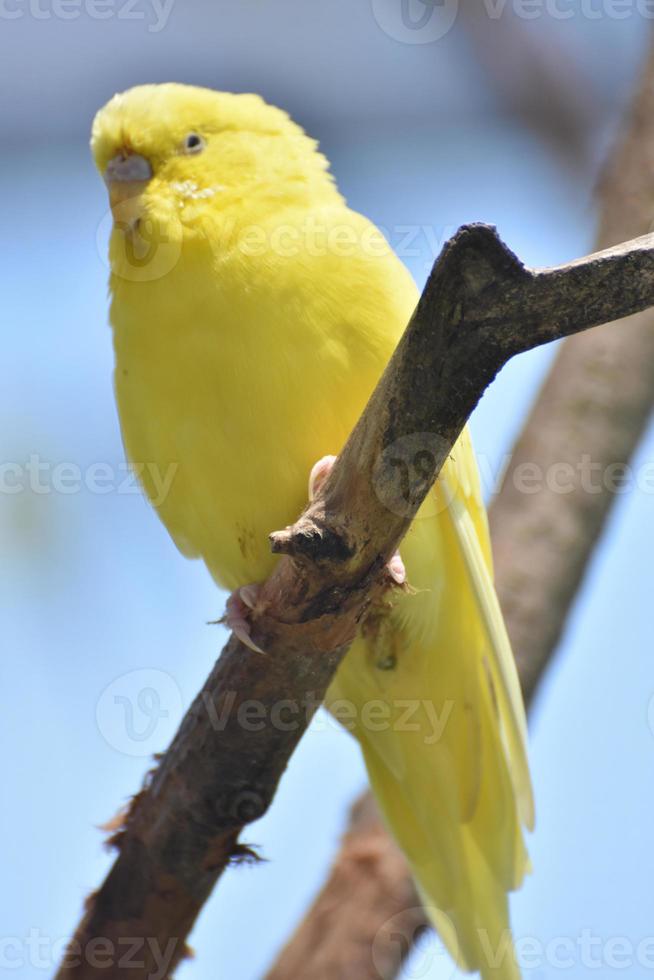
238	607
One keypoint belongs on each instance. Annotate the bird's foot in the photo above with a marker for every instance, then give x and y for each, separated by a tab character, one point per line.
238	608
319	473
396	569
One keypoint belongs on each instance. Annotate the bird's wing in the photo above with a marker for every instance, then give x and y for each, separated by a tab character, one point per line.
467	514
455	799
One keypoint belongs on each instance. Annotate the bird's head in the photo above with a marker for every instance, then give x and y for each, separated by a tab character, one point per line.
183	163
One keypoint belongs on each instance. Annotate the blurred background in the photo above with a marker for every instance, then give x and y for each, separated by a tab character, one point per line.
432	116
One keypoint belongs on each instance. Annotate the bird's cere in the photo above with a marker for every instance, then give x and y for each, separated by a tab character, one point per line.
131	169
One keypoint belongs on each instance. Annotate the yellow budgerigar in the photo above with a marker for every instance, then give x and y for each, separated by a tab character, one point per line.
253	313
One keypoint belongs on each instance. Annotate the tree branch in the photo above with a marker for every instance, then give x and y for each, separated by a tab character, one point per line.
594	405
479	308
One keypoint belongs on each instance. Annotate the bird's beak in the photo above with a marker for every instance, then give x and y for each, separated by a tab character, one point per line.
126	176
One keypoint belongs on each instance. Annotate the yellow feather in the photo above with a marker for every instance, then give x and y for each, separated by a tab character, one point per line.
253	313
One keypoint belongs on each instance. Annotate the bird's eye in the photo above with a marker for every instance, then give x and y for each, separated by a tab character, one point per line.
193	143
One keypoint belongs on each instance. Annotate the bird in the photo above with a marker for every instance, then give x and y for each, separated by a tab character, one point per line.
252	314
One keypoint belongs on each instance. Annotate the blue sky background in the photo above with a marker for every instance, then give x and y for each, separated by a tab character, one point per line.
97	605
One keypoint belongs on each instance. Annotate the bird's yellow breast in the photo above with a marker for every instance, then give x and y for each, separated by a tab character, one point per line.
235	372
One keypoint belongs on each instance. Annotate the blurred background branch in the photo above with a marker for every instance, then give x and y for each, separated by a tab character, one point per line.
594	405
538	81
